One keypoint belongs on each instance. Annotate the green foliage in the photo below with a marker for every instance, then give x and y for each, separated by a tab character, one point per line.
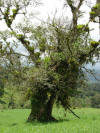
1	88
92	13
80	26
58	56
72	61
97	6
14	11
2	80
37	55
83	28
95	11
95	101
47	60
31	48
42	47
13	86
6	16
27	42
20	36
88	96
94	43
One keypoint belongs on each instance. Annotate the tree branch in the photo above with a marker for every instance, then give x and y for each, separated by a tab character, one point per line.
91	72
80	4
72	112
75	11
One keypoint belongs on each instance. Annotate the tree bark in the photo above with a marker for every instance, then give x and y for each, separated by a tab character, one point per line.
42	113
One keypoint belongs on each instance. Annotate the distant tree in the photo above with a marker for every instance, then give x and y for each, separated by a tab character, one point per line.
57	52
95	101
2	78
1	87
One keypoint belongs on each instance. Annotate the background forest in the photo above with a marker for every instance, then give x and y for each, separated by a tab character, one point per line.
16	96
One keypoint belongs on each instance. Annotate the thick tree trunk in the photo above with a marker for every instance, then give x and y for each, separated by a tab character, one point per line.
44	112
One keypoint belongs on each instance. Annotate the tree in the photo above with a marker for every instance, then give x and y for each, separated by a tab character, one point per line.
2	81
1	86
57	52
95	101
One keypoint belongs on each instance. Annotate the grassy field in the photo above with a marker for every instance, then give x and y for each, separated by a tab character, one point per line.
14	121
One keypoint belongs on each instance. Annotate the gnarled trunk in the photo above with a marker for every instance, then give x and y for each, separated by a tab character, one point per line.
42	113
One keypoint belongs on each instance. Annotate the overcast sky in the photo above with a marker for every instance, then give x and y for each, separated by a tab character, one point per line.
49	8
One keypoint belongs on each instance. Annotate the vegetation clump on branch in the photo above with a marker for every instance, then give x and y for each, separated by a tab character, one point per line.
94	43
95	12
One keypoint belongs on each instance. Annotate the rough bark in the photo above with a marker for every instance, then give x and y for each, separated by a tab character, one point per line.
43	113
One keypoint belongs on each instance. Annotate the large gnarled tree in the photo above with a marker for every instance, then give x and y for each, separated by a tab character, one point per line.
58	53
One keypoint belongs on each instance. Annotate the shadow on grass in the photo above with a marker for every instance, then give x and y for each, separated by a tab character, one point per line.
13	124
35	122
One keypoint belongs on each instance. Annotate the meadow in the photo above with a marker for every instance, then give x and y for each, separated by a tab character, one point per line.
14	121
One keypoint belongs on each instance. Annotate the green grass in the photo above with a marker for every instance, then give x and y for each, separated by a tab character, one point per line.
14	121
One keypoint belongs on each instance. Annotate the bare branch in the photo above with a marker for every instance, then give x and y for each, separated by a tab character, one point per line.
91	72
73	112
75	11
80	3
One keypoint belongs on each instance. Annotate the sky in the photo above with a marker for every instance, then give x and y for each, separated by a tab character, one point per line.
49	7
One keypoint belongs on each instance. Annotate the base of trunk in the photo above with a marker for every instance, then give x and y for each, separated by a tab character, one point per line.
42	112
43	118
